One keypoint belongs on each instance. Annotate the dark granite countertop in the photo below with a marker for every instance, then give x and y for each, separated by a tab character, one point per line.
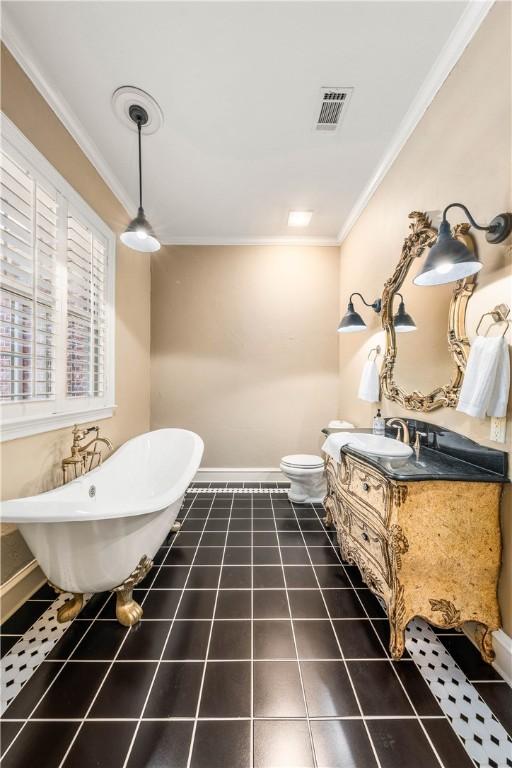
437	461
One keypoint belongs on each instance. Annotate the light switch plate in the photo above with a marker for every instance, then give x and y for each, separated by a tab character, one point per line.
498	429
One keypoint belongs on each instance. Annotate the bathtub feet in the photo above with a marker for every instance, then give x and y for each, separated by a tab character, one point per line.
70	609
175	527
128	612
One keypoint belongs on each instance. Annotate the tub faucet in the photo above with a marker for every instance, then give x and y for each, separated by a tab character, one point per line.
405	429
84	457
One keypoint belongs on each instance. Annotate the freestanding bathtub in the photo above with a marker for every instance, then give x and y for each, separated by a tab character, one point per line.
101	531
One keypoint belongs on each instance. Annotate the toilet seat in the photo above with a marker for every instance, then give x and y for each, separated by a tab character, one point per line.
303	461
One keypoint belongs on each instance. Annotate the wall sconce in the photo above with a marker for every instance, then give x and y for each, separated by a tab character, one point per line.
351	322
449	259
402	321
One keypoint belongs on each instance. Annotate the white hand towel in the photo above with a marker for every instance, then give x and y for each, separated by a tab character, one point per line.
334	443
369	387
486	382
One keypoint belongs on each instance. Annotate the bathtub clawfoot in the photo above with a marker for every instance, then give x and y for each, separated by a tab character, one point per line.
70	609
129	612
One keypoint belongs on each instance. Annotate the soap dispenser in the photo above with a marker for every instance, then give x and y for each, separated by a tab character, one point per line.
379	425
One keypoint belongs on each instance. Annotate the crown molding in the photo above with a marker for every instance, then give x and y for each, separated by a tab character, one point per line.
459	39
25	58
461	36
270	240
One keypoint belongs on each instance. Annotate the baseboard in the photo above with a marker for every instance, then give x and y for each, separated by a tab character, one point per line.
502	644
240	474
19	588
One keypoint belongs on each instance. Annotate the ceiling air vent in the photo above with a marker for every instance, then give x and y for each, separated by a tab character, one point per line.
333	105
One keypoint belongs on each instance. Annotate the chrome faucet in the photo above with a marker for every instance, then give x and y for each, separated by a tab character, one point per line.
405	429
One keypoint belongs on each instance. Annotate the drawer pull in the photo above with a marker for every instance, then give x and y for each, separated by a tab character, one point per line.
366	487
365	536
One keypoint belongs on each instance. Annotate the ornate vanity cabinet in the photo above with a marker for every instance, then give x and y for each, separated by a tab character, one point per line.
425	535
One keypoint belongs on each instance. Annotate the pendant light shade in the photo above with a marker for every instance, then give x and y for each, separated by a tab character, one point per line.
449	259
351	322
139	234
402	321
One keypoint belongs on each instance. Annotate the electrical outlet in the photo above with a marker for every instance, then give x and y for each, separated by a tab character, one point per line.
498	429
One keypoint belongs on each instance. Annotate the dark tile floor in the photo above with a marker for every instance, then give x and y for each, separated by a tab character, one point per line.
257	647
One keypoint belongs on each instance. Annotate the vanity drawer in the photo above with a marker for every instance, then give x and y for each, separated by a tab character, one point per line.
368	487
371	542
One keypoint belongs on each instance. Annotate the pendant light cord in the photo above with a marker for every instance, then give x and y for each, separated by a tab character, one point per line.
139	128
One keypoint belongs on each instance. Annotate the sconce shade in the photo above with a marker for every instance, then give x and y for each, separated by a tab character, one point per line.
351	322
402	321
139	234
448	260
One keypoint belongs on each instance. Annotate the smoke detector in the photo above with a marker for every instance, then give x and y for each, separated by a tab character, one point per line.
332	108
128	97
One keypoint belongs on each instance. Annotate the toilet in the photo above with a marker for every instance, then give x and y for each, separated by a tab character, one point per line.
306	474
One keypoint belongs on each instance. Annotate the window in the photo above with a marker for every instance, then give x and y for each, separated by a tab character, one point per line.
56	297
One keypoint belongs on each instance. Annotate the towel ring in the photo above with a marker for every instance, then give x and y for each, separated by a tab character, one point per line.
499	315
376	350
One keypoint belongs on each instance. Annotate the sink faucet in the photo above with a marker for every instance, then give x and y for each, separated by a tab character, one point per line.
405	429
417	443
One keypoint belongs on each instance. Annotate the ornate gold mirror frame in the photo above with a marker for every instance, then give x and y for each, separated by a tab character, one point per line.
422	235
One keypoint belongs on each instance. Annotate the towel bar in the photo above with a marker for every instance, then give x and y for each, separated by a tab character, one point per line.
499	315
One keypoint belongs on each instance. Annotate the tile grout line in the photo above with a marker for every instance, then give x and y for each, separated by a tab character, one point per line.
336	636
306	708
419	631
159	662
110	666
64	664
110	663
190	719
161	568
215	661
47	620
389	661
198	706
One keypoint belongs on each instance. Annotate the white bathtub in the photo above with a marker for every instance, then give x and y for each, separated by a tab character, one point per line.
90	535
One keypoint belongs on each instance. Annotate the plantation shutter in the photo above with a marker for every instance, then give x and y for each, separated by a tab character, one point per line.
28	258
86	287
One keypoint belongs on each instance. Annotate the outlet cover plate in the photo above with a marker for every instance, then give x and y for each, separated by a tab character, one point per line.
498	429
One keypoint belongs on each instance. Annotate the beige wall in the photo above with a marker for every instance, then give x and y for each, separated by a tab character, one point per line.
244	348
30	465
460	151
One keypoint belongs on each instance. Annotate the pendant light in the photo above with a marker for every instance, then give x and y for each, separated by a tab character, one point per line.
139	234
449	259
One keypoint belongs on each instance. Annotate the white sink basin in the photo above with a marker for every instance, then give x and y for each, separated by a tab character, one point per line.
378	445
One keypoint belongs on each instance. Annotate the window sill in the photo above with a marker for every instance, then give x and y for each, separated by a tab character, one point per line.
12	429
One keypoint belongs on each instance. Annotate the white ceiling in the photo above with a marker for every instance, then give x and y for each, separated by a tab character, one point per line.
239	87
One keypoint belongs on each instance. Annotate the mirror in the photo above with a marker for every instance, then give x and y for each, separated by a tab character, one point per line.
423	369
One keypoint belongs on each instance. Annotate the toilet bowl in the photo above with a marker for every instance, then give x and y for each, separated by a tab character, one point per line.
306	474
